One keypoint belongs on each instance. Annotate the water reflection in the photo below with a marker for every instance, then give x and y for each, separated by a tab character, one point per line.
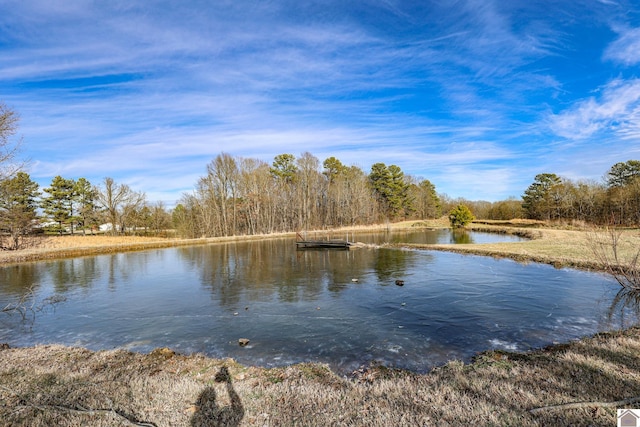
430	237
15	279
461	237
338	307
77	272
625	302
258	269
390	264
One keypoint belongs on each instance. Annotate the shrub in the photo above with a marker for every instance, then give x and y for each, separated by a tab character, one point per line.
460	216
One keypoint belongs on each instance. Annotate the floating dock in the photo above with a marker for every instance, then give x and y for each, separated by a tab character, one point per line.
323	244
303	243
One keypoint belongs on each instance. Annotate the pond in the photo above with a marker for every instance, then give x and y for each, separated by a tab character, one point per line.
337	307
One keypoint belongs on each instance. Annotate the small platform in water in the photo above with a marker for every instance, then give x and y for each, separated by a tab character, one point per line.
323	244
303	243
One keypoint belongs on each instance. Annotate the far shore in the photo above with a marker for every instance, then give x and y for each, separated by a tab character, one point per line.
558	246
577	383
78	244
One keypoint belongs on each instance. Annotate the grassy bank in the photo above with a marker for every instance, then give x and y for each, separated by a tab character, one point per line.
558	247
68	246
56	385
58	247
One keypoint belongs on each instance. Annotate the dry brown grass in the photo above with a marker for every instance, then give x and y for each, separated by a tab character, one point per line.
49	247
55	385
56	247
562	248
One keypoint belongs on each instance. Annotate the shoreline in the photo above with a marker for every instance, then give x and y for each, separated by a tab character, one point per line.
141	243
578	383
558	247
54	247
523	252
61	385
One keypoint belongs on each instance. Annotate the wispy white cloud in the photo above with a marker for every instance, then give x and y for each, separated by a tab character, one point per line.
616	110
149	92
626	49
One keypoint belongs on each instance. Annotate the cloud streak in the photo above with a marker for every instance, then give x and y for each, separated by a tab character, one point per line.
626	49
617	111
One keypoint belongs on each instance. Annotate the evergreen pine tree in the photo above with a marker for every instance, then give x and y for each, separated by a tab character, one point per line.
59	204
18	203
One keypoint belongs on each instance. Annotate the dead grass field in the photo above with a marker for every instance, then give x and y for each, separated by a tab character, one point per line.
559	247
57	247
62	386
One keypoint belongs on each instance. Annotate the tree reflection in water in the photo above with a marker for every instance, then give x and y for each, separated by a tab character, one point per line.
626	301
336	307
461	237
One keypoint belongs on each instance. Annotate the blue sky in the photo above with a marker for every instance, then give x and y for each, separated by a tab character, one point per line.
477	96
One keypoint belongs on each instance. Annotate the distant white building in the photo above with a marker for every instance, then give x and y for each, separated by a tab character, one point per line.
105	228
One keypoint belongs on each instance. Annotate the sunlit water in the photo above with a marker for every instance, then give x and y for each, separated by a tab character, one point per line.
338	307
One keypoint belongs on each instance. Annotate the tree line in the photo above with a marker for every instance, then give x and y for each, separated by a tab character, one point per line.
615	201
245	196
249	196
69	206
236	197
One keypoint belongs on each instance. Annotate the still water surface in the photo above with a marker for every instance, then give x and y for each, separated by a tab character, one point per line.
338	307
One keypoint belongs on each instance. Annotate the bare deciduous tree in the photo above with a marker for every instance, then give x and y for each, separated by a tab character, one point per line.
619	258
8	145
247	196
255	188
119	201
222	176
309	186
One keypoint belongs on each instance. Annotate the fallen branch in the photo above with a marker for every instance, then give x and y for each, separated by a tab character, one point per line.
578	405
80	410
27	305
